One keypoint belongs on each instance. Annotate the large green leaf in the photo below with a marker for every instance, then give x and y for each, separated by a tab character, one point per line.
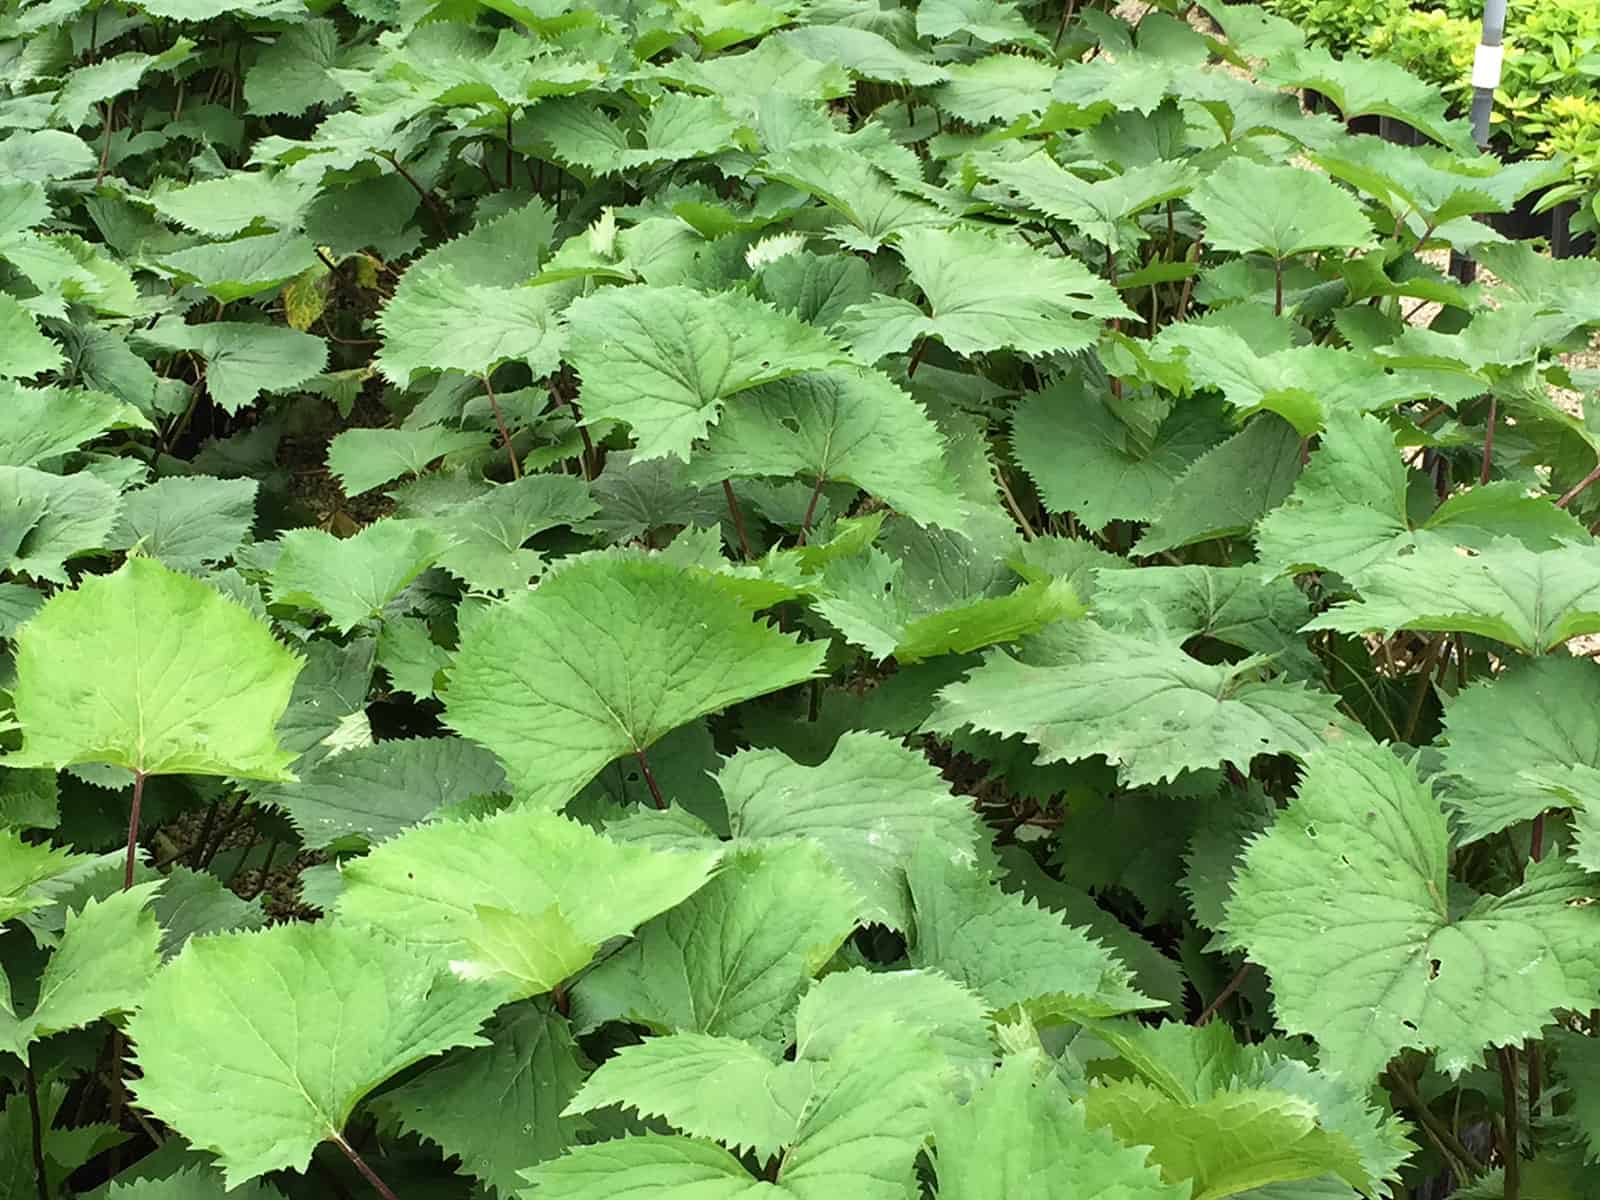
433	886
1529	600
664	359
601	660
1278	211
1149	708
867	805
443	322
734	958
855	426
293	1025
984	293
242	360
153	671
1346	903
1022	1134
351	579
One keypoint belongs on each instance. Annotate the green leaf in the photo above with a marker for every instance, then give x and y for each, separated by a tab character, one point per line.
497	1108
351	579
1349	511
247	267
32	874
988	21
865	54
1084	460
294	1025
1229	604
229	204
654	1166
430	886
664	359
376	792
291	75
867	805
1009	951
362	459
984	293
1278	211
407	651
192	903
27	351
601	660
47	519
719	1088
1149	708
1022	1134
152	671
242	361
106	956
188	521
1361	86
734	958
1100	208
42	423
1227	489
1344	902
1504	735
441	322
843	1003
854	426
1532	601
487	550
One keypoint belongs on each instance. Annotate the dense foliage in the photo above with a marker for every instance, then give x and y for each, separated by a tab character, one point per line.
687	599
1548	100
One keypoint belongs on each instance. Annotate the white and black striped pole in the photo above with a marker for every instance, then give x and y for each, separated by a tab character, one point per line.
1486	63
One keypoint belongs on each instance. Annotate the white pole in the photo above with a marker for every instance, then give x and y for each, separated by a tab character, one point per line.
1486	63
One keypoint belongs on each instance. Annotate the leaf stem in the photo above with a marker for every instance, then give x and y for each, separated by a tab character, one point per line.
916	356
39	1176
650	779
500	423
1424	674
811	508
1577	489
1028	533
133	830
1448	1145
509	163
1233	986
1277	286
367	1172
1066	17
738	518
428	197
1488	442
1513	1156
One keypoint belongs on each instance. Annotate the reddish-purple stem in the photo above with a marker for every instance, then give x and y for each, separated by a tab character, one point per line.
1222	997
500	422
1488	442
133	830
1577	489
650	779
367	1172
738	518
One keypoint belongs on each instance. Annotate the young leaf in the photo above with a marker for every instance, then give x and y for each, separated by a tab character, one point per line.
664	359
153	671
601	660
294	1025
351	579
1345	902
1152	710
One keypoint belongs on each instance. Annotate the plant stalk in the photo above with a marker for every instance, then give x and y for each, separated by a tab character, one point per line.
133	830
1513	1156
1448	1145
1424	674
738	518
1277	287
811	509
1234	984
1488	442
1577	489
367	1172
39	1175
500	423
650	779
